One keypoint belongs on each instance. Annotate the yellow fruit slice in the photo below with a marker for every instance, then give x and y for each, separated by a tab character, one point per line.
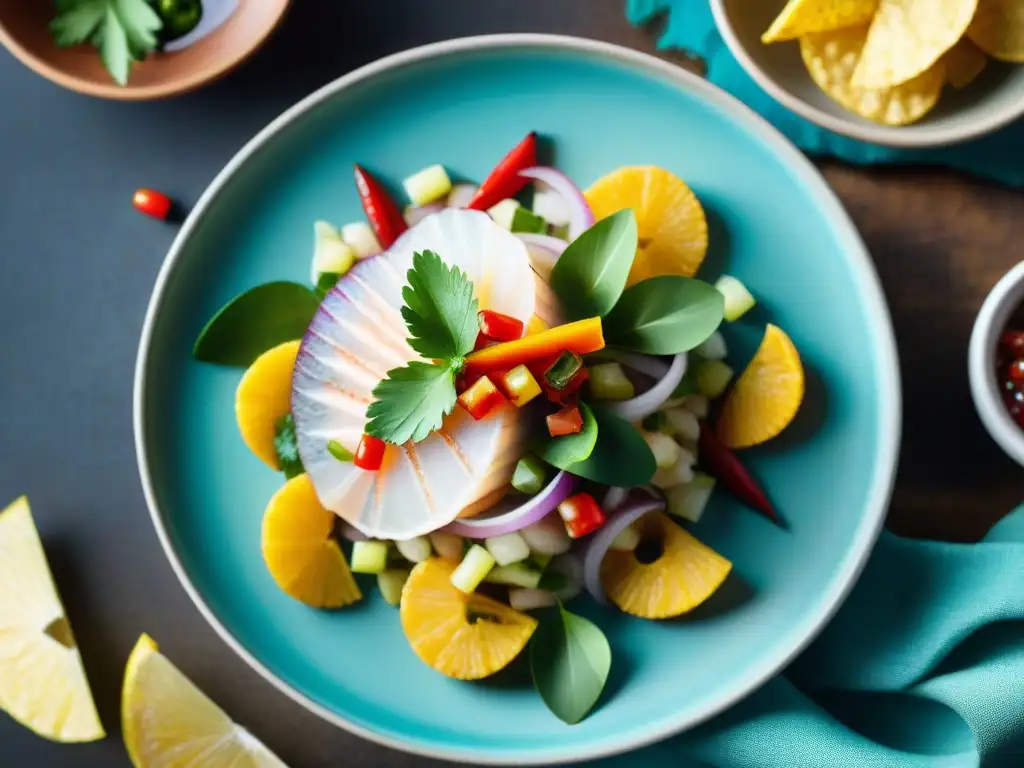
300	551
263	396
42	680
169	723
462	636
767	394
998	29
670	220
684	575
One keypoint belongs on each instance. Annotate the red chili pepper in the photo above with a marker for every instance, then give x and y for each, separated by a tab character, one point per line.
383	213
495	326
481	397
581	514
567	421
504	181
369	453
723	464
152	203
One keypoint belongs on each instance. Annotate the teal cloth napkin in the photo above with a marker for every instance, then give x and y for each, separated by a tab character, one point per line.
923	667
690	27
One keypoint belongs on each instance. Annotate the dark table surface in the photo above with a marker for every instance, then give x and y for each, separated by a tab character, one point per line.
79	264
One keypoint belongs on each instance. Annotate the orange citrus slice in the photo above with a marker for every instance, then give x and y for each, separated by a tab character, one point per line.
670	220
683	574
263	396
467	637
300	551
767	394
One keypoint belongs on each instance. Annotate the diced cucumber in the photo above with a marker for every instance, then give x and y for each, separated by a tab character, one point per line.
679	473
626	541
665	449
683	424
508	548
698	405
547	536
447	545
552	207
713	376
515	575
655	422
712	348
530	599
428	185
472	570
540	560
415	550
525	220
361	239
609	382
504	212
529	475
331	254
688	501
390	583
738	300
369	556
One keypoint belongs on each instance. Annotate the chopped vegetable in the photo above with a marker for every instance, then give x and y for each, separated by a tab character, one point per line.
738	300
683	424
481	398
581	337
713	377
369	556
551	206
415	550
529	475
581	514
504	181
561	372
504	213
383	214
531	599
339	451
370	453
522	574
124	32
627	540
361	239
495	326
688	501
698	405
390	583
665	449
678	473
712	348
428	185
331	254
567	421
609	382
474	567
655	422
519	385
507	548
525	220
547	537
447	545
152	203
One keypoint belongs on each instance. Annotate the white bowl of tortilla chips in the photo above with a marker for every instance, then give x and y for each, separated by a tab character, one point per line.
904	73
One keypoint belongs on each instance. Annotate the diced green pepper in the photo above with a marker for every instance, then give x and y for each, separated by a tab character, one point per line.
609	382
563	370
529	475
525	220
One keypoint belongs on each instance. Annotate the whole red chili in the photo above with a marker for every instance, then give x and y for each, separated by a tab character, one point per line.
723	464
504	181
152	203
381	210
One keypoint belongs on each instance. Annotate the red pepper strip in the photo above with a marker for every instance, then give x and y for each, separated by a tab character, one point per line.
504	181
480	398
581	514
370	453
568	421
384	215
723	464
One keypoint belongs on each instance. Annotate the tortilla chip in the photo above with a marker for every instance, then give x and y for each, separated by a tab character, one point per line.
801	17
964	62
998	29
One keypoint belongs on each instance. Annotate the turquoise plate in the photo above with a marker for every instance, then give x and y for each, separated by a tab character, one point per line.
774	223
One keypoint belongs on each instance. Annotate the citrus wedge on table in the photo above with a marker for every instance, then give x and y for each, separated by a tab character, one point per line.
766	396
468	637
169	723
680	574
42	680
263	397
300	550
673	231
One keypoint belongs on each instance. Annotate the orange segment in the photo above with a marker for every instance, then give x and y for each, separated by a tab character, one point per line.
684	575
467	637
263	396
299	549
767	394
671	223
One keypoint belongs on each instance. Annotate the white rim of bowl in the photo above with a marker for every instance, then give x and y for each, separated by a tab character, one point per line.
915	136
995	312
890	408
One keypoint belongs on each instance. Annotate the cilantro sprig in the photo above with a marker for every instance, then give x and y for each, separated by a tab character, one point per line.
441	315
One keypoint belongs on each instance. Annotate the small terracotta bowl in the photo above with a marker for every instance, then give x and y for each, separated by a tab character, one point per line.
24	31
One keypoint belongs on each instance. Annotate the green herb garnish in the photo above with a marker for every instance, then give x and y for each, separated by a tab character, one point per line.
620	457
287	447
324	282
124	31
665	315
566	451
525	220
339	451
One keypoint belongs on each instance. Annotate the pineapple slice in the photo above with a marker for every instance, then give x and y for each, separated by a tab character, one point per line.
683	575
467	637
42	680
263	397
169	723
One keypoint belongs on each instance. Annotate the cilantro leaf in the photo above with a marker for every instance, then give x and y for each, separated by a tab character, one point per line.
412	401
141	23
77	23
124	31
439	310
286	446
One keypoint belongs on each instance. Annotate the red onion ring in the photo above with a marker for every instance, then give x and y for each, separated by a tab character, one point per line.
544	251
646	403
649	365
580	216
625	516
413	214
527	513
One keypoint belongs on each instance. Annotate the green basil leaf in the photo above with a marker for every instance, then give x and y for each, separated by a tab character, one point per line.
621	456
255	321
591	273
525	220
570	659
565	451
665	315
286	446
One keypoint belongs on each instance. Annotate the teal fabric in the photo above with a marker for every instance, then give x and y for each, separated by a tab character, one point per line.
689	26
922	667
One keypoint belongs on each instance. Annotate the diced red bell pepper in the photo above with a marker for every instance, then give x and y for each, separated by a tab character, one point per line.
504	181
481	397
519	385
382	212
581	514
498	327
370	453
568	421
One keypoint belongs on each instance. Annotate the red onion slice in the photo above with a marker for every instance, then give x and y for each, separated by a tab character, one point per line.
649	365
503	520
643	405
461	195
635	508
413	214
580	216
